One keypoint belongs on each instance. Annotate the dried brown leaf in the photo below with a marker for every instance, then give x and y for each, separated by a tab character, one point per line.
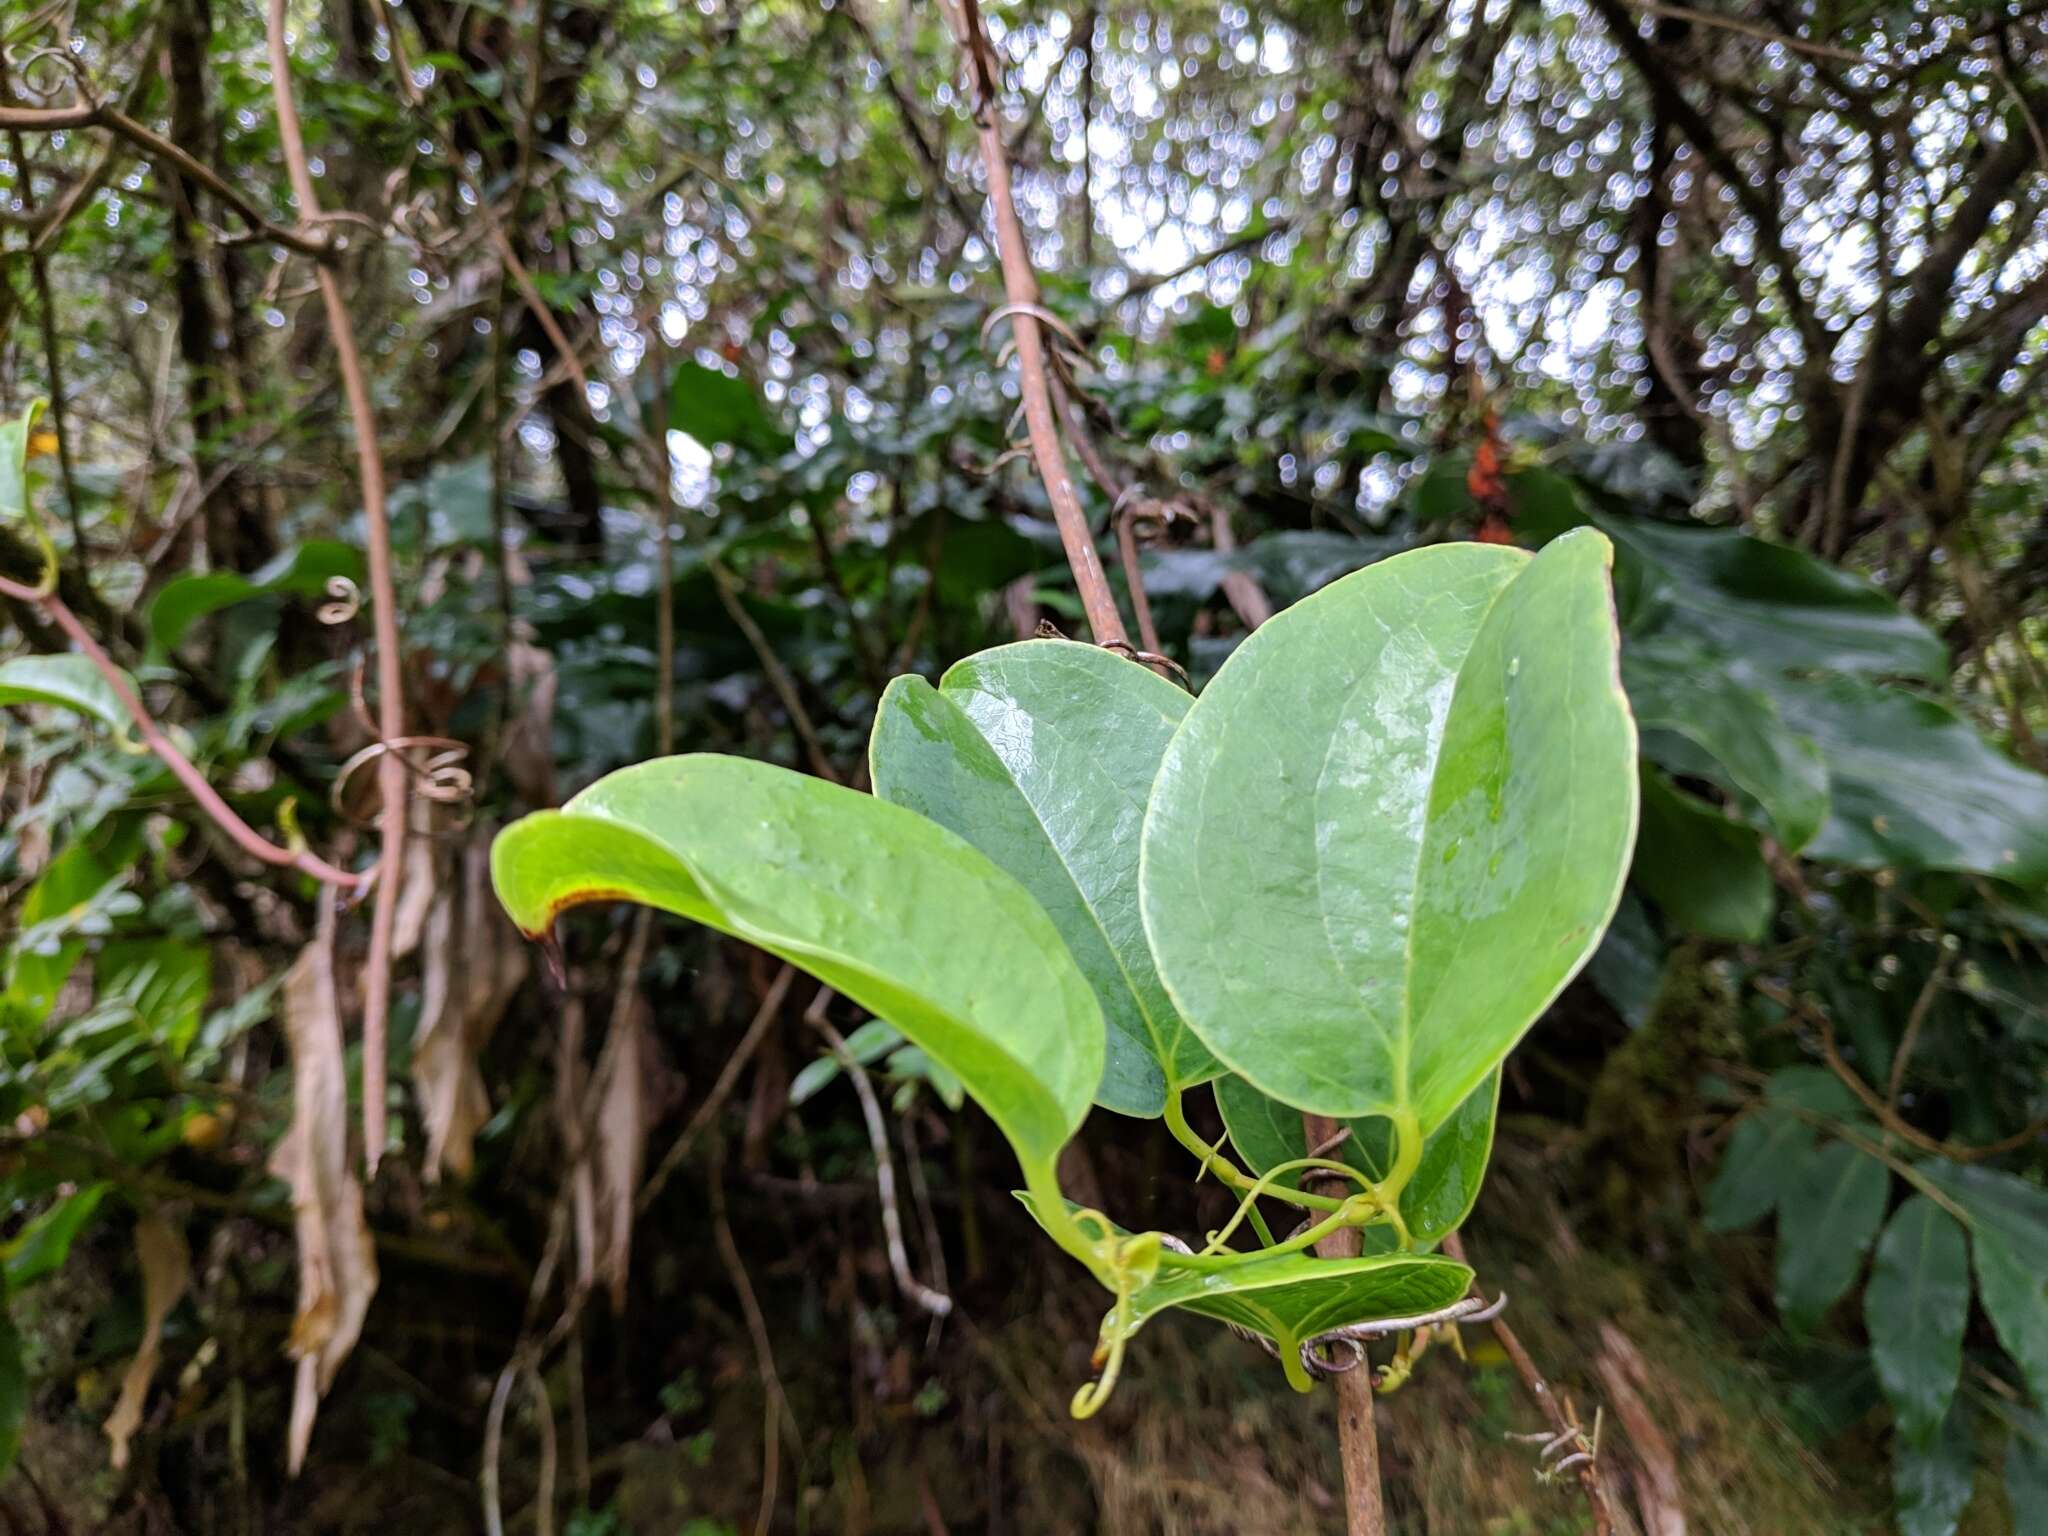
529	749
166	1271
337	1260
474	964
621	1149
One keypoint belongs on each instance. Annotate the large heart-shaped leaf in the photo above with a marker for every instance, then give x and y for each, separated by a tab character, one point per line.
1395	825
1438	1195
1042	755
891	910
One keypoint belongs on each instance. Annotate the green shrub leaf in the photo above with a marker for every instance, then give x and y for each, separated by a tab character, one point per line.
301	572
1931	1483
1828	1214
894	912
1042	755
1914	1309
68	681
2008	1222
1395	825
1706	872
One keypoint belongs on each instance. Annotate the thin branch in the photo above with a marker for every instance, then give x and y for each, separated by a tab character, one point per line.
1888	1118
1358	1445
935	1302
1020	286
1922	1006
391	771
1547	1402
209	800
103	115
728	1079
775	1406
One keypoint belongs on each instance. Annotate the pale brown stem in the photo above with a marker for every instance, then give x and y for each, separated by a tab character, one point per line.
102	115
1020	286
1358	1445
391	774
217	810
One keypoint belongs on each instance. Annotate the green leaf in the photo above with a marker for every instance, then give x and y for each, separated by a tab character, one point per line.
1777	608
865	1045
1914	1309
1754	1169
895	913
13	1390
2026	1475
717	407
1295	1296
166	981
45	1242
1705	872
1688	690
1438	1195
1395	825
301	572
2008	1222
68	681
1628	967
1042	755
1915	787
1828	1214
1931	1483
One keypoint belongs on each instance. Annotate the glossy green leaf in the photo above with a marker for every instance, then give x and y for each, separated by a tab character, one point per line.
1438	1195
1042	755
1914	1309
1395	825
894	912
1915	787
45	1242
1777	608
717	407
1704	871
1931	1482
1681	688
2008	1221
66	681
301	572
1829	1211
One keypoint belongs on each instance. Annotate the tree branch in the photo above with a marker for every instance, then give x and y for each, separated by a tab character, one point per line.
391	770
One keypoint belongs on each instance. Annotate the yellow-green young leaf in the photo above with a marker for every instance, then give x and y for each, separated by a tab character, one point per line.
891	910
67	681
1395	825
1042	755
1294	1296
1828	1213
1914	1309
1438	1195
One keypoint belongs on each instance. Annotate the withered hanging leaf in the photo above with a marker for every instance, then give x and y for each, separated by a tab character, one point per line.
621	1142
166	1271
337	1262
416	892
569	1077
529	750
475	963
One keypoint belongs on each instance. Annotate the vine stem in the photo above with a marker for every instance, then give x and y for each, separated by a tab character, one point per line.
1358	1445
208	799
391	774
1020	287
